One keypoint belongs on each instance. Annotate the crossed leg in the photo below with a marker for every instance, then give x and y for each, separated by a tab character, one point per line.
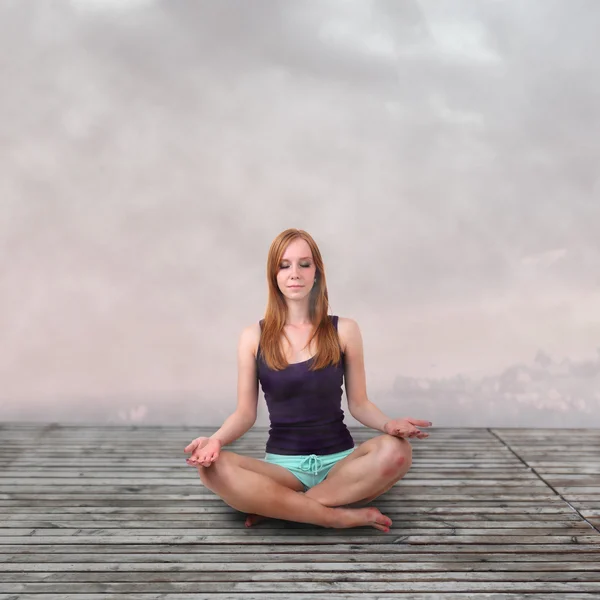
371	470
259	488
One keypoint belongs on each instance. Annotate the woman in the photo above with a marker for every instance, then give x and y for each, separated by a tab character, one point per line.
301	355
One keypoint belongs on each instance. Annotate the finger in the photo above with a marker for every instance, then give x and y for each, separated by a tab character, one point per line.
420	422
191	446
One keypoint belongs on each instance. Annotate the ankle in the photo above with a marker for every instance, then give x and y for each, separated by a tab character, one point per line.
336	517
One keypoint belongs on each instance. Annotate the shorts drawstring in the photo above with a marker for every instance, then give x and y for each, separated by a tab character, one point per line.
312	464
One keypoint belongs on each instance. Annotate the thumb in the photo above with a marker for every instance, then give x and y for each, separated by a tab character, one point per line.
191	447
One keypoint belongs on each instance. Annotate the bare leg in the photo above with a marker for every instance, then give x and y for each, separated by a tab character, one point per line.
252	492
253	519
371	470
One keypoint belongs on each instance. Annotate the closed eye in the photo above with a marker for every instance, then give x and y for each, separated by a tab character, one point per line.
286	266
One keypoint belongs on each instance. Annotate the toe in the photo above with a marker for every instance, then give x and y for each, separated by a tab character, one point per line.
385	521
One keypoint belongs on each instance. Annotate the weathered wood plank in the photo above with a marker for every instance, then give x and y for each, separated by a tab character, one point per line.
534	561
365	566
242	533
356	574
178	474
108	486
405	508
310	596
229	552
115	511
262	537
137	499
180	519
194	525
575	475
306	587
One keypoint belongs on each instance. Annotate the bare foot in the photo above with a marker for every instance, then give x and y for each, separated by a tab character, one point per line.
254	519
360	517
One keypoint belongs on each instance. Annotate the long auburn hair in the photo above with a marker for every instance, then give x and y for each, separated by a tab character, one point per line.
328	345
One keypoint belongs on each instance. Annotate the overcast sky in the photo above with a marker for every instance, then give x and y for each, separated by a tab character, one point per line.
444	156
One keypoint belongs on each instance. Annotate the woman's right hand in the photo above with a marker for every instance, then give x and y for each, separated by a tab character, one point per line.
204	451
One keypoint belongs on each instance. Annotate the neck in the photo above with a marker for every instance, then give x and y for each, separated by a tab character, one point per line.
298	314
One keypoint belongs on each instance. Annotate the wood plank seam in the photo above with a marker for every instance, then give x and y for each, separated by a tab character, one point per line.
542	479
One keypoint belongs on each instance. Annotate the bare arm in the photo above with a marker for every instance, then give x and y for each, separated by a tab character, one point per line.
361	408
359	405
244	416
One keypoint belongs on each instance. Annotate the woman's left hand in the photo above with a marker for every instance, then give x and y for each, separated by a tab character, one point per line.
406	428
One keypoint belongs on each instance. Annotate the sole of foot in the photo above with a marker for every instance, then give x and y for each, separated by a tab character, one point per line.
362	517
345	518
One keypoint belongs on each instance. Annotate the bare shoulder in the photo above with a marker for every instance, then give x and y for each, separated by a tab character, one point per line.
348	331
250	338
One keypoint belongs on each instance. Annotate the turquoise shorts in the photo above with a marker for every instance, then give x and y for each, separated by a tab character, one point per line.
310	469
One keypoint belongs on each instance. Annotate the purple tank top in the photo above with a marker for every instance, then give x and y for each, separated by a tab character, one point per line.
305	407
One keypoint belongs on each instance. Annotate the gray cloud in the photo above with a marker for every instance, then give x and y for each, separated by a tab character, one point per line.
446	160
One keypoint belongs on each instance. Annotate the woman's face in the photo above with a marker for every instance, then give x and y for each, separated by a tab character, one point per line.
296	274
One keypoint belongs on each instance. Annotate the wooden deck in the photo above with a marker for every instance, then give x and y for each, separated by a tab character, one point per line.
105	512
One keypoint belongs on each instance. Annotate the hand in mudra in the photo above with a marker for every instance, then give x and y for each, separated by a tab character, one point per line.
406	428
204	451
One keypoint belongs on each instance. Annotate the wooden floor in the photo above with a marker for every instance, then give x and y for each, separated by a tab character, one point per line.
115	512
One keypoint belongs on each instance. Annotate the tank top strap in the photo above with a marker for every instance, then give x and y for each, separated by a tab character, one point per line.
261	323
335	319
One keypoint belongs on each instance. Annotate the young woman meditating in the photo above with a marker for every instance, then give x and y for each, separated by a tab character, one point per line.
301	356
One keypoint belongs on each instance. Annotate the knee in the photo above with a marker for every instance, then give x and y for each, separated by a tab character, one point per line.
208	474
395	456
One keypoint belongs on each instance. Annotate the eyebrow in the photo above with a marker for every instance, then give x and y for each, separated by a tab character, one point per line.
303	258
